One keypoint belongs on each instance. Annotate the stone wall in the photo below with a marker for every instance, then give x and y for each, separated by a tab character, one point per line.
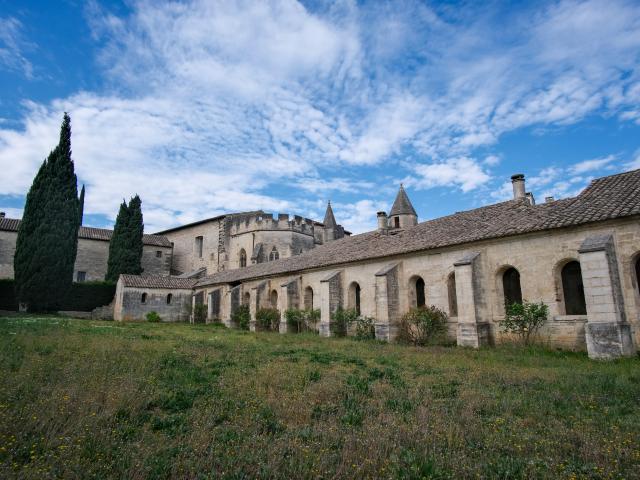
92	258
7	250
536	256
185	256
129	306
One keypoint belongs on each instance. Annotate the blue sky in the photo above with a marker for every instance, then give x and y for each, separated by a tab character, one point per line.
204	107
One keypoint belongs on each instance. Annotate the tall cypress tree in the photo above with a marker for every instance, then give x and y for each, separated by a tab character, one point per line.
81	205
47	240
125	248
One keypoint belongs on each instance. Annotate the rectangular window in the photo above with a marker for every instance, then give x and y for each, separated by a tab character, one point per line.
199	241
158	253
81	276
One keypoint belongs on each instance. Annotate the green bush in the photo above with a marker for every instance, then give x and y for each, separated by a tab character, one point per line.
241	317
525	319
342	318
8	300
199	313
85	296
268	319
301	320
365	328
422	326
153	317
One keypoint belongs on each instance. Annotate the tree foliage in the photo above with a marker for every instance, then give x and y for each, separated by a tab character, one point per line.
125	247
525	319
423	326
47	240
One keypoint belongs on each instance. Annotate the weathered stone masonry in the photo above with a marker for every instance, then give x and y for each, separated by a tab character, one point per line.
468	264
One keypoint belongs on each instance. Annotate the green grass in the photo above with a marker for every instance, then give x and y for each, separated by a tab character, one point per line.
88	399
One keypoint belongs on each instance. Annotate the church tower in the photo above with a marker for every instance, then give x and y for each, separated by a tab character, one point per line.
402	214
331	230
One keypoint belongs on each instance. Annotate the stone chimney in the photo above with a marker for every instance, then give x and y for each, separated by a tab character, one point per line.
529	196
548	199
519	190
383	222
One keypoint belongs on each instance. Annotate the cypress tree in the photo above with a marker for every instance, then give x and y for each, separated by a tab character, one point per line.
48	234
81	205
125	248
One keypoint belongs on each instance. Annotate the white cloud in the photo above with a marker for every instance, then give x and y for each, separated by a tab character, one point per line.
591	165
213	105
13	46
462	172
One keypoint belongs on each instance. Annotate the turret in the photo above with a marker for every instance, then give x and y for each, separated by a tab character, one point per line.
402	214
331	230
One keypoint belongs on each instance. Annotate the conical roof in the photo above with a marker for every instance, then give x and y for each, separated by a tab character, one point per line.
329	219
402	204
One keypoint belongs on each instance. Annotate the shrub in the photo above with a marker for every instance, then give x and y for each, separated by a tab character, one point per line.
301	320
153	317
524	319
85	296
342	318
365	328
422	326
241	317
8	300
199	313
268	319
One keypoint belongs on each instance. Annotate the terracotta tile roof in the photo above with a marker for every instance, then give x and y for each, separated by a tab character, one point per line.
157	281
606	198
91	233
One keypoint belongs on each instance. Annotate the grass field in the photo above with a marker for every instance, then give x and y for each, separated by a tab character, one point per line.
87	399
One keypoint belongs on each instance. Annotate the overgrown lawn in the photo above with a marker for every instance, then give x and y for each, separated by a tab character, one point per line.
87	399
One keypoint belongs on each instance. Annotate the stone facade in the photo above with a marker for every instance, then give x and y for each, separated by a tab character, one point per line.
236	240
93	252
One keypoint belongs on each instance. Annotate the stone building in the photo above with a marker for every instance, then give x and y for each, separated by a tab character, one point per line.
93	252
580	256
237	240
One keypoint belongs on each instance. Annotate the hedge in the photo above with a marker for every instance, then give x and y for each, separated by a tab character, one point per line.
8	295
83	297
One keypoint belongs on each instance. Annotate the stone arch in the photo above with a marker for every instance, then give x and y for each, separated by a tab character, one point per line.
169	297
417	292
354	297
452	295
308	298
143	298
273	298
246	299
510	285
274	255
243	258
568	276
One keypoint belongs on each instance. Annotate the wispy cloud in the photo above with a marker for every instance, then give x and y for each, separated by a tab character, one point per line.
213	105
12	47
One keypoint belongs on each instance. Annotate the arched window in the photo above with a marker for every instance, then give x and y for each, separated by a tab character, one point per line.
420	296
169	297
354	297
573	289
143	299
243	258
453	297
246	299
274	255
308	298
511	286
274	299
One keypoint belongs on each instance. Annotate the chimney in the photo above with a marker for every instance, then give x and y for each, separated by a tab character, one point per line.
383	223
548	199
530	198
518	186
1	214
